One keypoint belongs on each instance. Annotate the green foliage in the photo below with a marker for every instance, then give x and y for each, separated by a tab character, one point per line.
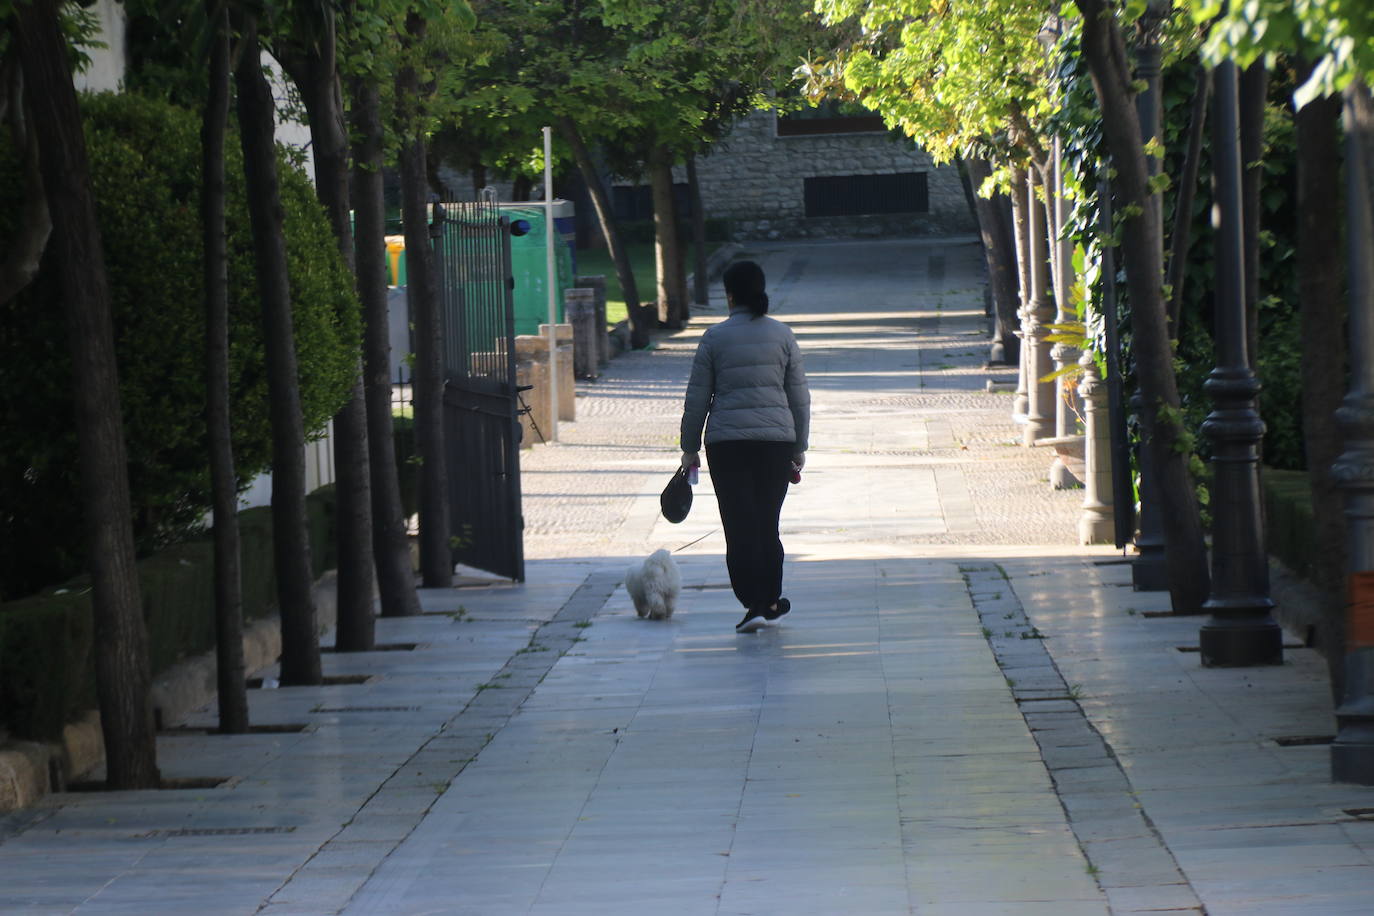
145	175
630	74
1278	363
1289	521
47	673
954	74
1337	34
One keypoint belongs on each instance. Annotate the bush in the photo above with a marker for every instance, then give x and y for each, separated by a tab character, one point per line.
47	671
145	172
1289	522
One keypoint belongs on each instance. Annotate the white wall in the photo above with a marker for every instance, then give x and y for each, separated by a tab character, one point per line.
106	70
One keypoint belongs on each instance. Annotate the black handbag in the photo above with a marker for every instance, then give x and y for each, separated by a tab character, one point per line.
676	498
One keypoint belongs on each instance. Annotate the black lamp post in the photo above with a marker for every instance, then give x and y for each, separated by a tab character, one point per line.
1241	630
1352	753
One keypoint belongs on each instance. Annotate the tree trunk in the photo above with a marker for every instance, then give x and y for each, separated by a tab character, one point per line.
640	317
700	293
314	68
1020	230
1253	84
390	545
1142	249
999	250
230	668
121	642
672	301
1181	238
436	557
1321	285
300	656
20	263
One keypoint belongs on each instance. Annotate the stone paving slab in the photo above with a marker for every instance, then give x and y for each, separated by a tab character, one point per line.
808	768
966	713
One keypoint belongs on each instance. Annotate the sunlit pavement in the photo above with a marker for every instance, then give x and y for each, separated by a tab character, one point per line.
964	712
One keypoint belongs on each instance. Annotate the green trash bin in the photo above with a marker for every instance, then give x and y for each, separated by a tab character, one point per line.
530	268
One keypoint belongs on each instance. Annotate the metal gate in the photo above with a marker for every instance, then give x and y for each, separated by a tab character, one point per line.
481	426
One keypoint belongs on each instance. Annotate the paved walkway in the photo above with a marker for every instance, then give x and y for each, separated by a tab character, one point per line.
964	713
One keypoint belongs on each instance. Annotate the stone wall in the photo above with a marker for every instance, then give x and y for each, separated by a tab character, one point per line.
755	179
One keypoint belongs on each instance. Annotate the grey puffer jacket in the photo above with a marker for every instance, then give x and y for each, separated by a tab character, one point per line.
747	384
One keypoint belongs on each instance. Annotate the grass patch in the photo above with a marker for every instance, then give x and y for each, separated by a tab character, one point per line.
593	261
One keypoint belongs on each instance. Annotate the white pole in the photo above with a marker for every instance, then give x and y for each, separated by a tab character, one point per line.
552	284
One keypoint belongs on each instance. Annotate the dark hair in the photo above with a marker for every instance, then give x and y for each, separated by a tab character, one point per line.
744	283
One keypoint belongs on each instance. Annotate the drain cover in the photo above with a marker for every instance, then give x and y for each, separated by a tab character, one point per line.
216	831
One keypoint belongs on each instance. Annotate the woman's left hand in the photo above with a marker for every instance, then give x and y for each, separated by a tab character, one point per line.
691	459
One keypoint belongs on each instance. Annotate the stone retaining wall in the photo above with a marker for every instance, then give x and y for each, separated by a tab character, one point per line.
755	179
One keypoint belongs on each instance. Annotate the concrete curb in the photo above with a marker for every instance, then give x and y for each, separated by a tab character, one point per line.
31	769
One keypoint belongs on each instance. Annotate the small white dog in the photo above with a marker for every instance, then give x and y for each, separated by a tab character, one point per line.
654	585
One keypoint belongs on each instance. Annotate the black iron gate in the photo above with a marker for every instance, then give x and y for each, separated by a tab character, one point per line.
481	426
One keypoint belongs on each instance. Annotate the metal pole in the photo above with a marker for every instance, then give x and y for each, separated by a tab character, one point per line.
1352	753
1040	393
1149	572
1065	392
552	275
1241	630
1021	402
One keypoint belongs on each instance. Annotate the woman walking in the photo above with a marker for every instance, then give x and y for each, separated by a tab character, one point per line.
749	390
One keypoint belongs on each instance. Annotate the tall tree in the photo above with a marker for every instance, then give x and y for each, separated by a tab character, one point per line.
300	659
1104	50
436	556
672	294
556	63
1180	237
999	251
390	544
309	54
1321	288
965	79
231	676
638	316
121	657
696	69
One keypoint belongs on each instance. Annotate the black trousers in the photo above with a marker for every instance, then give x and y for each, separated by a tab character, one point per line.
750	480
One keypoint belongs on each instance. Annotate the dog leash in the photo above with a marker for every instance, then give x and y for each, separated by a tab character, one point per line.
697	541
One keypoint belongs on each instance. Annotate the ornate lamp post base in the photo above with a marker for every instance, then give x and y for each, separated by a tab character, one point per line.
1237	643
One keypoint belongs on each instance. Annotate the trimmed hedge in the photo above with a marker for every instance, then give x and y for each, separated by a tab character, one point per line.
145	173
1289	519
47	671
47	668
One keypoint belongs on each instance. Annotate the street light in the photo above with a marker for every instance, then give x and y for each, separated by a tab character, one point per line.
1241	630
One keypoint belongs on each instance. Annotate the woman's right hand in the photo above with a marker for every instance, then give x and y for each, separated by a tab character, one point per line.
799	460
